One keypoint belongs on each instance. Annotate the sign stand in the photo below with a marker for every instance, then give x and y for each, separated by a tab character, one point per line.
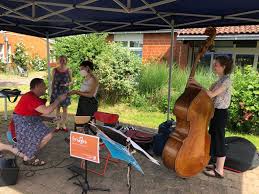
85	185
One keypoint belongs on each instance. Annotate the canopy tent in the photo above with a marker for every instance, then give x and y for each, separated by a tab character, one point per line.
69	17
53	18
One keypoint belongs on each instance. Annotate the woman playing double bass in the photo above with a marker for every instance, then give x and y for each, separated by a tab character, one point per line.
187	148
221	96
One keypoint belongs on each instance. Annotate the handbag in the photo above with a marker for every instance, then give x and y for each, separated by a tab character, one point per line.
8	171
11	93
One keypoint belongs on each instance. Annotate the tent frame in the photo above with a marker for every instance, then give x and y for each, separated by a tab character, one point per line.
81	27
86	28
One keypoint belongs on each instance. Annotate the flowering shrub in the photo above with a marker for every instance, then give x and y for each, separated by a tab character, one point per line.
244	109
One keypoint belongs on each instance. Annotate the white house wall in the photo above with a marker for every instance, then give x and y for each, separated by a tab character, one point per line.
129	37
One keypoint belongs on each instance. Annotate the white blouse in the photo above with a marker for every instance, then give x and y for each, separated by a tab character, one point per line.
85	86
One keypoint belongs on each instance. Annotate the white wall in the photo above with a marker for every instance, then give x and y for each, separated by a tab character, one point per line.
129	37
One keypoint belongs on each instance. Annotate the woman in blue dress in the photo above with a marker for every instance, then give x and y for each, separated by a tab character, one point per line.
61	80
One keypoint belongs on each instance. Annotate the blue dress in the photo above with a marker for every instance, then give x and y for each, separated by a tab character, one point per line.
57	88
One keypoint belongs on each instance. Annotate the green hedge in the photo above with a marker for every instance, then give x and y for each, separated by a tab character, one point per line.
244	109
116	67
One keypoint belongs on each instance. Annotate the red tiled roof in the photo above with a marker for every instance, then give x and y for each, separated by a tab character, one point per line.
249	29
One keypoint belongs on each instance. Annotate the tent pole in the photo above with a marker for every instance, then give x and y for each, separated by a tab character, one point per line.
170	70
48	62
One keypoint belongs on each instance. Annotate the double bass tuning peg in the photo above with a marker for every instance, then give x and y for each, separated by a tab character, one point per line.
210	31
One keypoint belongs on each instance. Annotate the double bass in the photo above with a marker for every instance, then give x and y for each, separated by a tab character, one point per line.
187	148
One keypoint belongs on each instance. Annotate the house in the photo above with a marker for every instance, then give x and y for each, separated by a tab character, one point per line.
152	45
8	40
239	42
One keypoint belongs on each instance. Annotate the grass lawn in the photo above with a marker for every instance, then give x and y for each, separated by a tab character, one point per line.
130	115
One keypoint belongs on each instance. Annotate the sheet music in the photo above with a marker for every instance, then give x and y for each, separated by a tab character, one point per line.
119	151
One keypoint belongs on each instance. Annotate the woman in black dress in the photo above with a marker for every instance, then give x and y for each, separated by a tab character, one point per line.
87	104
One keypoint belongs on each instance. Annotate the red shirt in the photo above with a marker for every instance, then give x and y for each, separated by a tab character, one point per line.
28	103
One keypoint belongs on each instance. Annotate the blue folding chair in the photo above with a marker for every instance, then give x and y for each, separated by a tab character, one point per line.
10	139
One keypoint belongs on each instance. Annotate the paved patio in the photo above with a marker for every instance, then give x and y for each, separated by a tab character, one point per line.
157	179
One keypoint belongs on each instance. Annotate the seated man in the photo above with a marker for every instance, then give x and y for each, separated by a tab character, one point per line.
31	133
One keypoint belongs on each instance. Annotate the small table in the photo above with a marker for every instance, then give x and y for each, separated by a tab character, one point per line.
5	105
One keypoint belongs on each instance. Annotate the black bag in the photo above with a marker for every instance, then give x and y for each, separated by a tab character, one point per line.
159	143
241	154
160	139
167	127
8	172
11	93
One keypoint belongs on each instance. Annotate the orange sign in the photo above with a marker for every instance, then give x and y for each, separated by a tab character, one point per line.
84	146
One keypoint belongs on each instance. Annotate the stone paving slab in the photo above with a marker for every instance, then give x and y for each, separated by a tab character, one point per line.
157	179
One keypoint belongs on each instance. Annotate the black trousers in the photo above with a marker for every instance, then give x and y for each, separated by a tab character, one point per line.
87	106
217	131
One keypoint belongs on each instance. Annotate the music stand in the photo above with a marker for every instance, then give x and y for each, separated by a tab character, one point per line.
118	150
84	185
110	137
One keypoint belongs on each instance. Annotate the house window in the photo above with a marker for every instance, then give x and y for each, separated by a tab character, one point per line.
223	44
124	43
2	52
137	52
136	47
246	44
134	42
205	60
243	60
223	54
